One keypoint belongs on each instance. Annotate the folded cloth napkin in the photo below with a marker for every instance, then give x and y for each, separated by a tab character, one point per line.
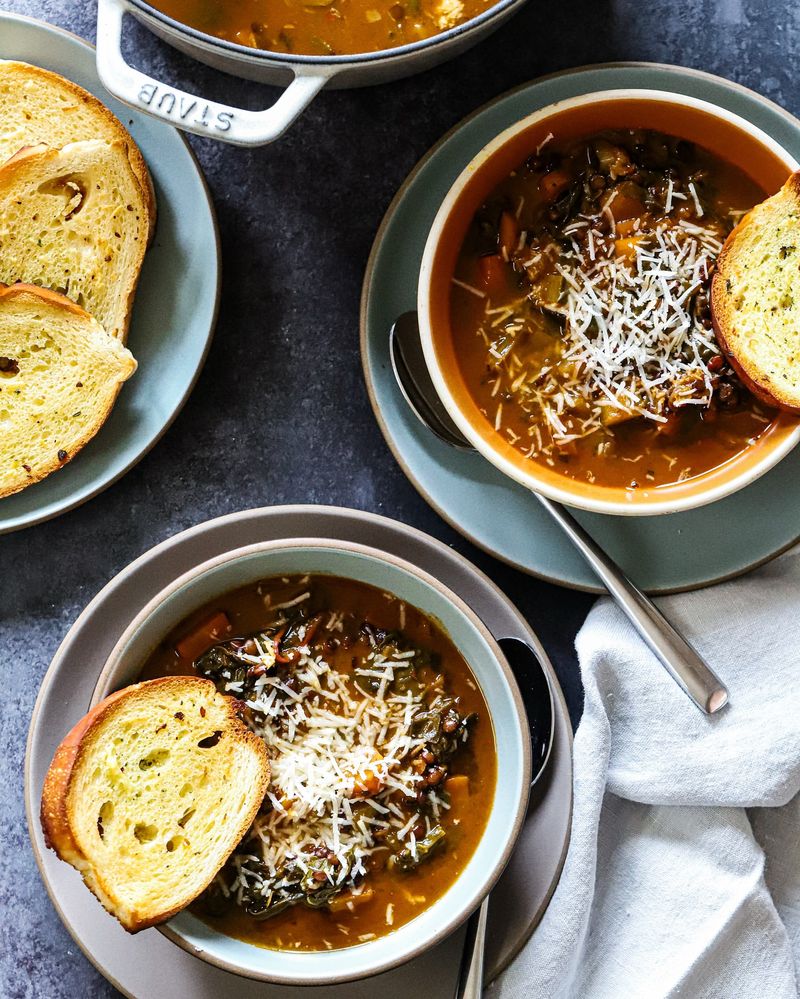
683	871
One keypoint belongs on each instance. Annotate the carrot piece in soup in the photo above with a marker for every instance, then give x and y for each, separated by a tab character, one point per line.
493	272
627	247
350	901
457	788
209	632
509	235
554	183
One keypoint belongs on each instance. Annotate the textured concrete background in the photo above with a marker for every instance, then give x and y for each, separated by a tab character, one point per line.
284	418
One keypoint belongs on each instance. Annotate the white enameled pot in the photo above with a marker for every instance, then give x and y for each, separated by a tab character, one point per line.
303	76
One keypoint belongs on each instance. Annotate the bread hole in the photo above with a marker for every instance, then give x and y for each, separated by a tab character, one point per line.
145	832
71	188
186	789
9	366
104	818
174	842
154	759
185	817
210	740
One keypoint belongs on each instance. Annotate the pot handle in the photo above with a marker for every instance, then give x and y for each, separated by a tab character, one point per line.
184	110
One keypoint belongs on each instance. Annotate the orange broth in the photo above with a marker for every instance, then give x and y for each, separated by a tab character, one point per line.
388	897
573	207
323	27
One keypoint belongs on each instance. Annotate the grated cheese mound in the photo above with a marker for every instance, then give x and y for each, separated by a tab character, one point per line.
629	344
326	736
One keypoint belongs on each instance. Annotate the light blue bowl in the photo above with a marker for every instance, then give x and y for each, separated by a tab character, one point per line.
249	565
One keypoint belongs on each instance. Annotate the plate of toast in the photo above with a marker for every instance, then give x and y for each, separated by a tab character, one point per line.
109	277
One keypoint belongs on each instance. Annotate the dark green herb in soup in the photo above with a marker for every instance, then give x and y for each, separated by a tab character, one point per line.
580	310
381	750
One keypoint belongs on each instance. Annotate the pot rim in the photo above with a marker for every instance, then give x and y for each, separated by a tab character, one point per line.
352	59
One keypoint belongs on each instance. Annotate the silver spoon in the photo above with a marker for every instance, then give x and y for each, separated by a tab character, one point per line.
538	700
692	674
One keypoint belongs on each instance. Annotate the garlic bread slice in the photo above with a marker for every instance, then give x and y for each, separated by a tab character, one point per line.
149	794
42	107
755	298
60	373
74	220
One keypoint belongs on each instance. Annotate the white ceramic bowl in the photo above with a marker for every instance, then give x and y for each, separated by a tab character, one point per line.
723	133
249	565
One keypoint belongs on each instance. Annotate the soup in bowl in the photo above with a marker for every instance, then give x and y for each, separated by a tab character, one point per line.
564	302
385	706
324	27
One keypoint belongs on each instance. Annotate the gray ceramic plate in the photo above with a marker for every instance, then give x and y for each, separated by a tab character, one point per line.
662	554
148	966
176	303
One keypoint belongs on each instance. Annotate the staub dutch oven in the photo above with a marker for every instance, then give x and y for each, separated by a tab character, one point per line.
303	76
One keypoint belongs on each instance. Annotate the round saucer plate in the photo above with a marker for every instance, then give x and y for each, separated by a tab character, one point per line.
148	966
176	301
662	554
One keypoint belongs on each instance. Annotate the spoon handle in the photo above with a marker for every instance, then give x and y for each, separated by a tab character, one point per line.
676	655
470	976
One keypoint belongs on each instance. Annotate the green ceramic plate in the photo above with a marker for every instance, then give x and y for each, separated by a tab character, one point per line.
176	304
662	554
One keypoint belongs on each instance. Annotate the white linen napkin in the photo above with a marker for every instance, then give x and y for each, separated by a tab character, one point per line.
683	871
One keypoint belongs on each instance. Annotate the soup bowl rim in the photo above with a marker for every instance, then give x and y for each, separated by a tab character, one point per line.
582	495
289	967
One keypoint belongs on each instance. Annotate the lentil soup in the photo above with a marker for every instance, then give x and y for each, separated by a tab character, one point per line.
383	758
580	315
323	27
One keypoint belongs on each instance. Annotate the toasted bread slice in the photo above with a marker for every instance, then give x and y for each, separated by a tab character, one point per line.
149	794
40	107
755	298
60	373
74	220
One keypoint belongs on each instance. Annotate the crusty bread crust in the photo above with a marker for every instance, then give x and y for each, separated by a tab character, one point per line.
16	295
109	126
9	292
57	806
55	825
745	360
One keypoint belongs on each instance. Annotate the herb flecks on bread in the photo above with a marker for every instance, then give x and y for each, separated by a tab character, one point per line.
74	220
755	298
60	373
149	794
43	107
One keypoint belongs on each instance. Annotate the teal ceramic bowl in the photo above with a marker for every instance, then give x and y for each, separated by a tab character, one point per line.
490	669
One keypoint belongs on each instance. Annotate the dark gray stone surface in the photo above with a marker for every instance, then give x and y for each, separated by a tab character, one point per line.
297	220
